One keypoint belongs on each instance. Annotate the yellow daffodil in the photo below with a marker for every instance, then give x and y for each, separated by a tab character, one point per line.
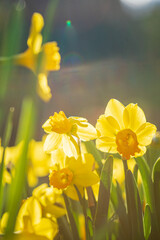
76	172
30	220
63	133
38	162
51	201
39	58
11	156
124	130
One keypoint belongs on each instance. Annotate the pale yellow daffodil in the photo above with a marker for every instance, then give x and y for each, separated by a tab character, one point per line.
65	133
124	130
39	58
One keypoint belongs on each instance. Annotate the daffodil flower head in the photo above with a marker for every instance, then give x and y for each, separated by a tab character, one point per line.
40	58
76	172
63	133
61	178
124	130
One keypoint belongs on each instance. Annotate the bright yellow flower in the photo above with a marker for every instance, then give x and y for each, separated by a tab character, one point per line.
40	58
77	172
30	220
63	133
51	200
38	162
10	158
124	130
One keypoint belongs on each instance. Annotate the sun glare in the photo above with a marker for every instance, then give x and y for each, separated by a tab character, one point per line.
136	3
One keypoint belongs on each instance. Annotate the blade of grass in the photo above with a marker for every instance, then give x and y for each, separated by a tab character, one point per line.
16	189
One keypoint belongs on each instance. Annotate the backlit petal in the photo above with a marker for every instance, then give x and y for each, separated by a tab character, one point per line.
133	116
52	142
70	146
47	126
146	133
107	126
87	132
106	145
115	109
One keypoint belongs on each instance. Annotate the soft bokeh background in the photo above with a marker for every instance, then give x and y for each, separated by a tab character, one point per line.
109	49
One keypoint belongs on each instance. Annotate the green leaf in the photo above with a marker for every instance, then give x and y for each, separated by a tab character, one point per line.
17	186
135	172
156	183
104	194
7	136
120	209
134	207
64	227
147	181
71	218
147	222
91	148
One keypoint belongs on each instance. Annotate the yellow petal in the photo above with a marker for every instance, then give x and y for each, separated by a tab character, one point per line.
58	156
55	210
86	179
142	151
115	109
87	132
32	178
51	59
47	126
35	39
106	145
3	222
43	89
46	228
70	146
107	126
34	210
52	142
133	116
72	193
145	133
